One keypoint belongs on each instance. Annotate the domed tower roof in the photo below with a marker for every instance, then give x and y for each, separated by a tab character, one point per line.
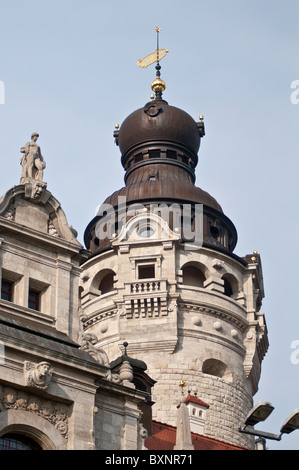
159	146
158	122
159	143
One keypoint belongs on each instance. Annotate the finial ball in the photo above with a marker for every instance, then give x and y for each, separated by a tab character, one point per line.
158	85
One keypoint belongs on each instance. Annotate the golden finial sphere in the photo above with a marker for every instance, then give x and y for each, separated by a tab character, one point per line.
158	85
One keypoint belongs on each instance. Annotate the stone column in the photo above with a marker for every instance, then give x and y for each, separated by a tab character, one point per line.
130	440
183	431
63	276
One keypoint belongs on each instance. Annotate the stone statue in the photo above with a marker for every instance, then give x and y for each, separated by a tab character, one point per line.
32	161
88	343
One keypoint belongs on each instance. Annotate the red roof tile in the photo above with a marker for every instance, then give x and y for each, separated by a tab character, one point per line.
196	400
164	438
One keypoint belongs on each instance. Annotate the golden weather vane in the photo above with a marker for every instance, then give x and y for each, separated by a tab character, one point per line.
158	86
155	56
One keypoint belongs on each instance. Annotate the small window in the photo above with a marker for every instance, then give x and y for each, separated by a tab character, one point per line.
172	154
154	153
34	299
38	296
146	232
96	241
214	232
146	271
138	158
7	290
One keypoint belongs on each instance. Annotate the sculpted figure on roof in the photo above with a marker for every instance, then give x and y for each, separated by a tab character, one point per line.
33	163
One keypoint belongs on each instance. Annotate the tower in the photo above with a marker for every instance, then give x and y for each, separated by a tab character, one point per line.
162	275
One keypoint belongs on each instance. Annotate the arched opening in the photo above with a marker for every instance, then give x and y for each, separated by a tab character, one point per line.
227	288
36	431
217	368
193	275
107	282
14	441
230	285
214	367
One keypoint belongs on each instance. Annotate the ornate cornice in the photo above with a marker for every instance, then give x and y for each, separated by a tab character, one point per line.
223	314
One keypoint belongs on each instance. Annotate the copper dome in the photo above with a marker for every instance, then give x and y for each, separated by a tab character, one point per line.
158	122
159	144
157	190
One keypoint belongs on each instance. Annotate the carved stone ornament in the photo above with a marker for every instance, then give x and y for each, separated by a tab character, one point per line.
112	377
126	374
34	190
88	342
143	435
55	413
152	109
10	212
51	228
37	375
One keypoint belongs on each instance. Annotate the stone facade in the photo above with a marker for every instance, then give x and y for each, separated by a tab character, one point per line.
56	386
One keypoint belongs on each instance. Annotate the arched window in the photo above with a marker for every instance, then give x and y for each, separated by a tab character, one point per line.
227	288
214	367
230	285
12	441
218	369
193	275
107	282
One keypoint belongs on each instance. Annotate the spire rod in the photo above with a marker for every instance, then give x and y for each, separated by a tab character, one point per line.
158	85
158	31
158	66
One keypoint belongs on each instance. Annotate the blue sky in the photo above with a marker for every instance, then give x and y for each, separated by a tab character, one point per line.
69	70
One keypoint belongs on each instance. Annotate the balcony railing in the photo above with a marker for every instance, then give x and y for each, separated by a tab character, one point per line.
146	298
145	286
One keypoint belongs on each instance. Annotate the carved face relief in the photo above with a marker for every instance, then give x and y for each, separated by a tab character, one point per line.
37	375
37	191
